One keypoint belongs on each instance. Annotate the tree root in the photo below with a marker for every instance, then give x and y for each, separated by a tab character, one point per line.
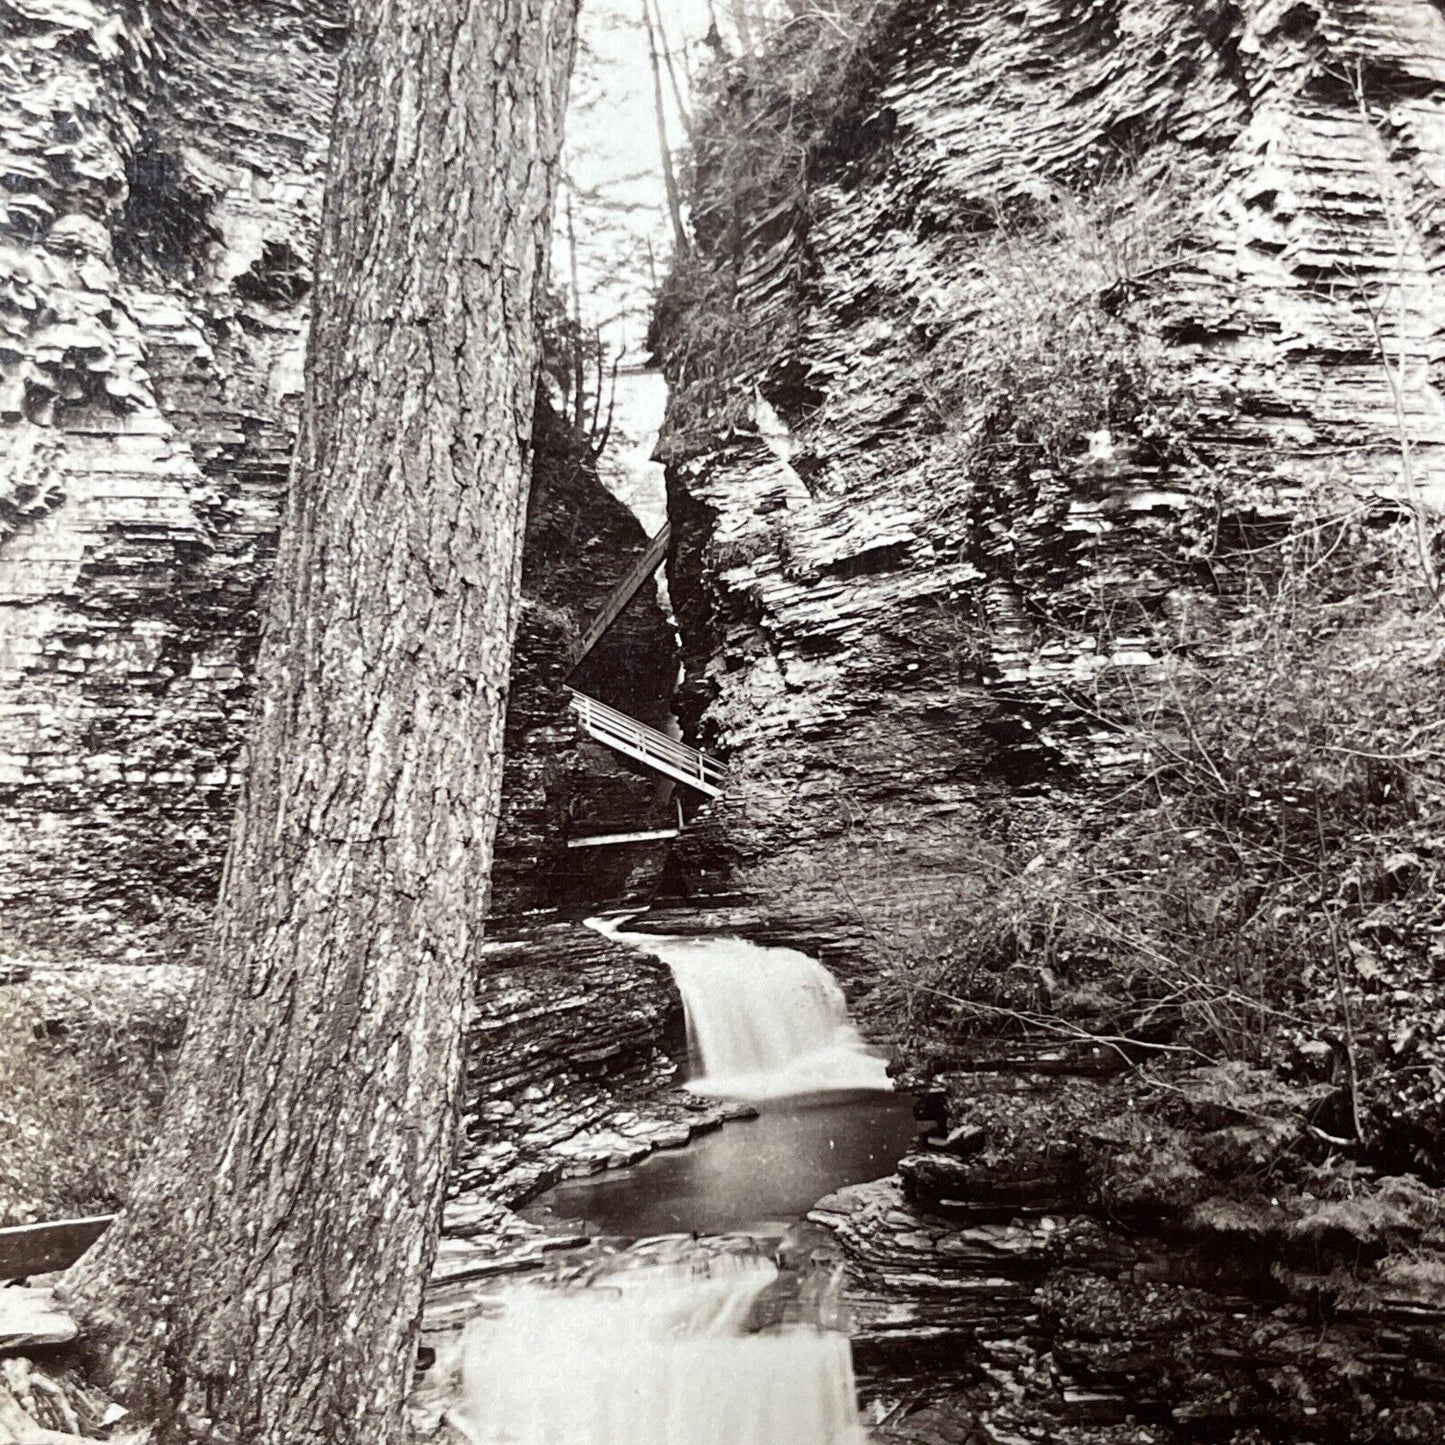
40	1408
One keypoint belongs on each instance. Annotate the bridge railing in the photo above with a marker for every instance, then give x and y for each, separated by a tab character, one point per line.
648	745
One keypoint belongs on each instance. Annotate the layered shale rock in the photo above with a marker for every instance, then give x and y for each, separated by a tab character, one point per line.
574	1052
1058	1327
164	167
1001	1288
895	650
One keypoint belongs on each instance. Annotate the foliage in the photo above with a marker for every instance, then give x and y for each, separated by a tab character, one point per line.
1048	335
575	361
763	120
84	1076
1264	875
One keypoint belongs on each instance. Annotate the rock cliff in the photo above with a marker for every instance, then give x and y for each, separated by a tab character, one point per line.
163	168
893	623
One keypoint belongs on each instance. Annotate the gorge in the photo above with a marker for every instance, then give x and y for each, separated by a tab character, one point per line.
1053	467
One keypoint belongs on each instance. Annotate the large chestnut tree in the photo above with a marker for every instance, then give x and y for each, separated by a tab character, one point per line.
264	1285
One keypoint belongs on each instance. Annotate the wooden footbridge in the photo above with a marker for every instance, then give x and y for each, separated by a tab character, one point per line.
636	741
647	746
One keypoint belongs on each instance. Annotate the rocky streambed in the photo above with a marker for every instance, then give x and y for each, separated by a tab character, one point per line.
992	1299
1061	1258
1075	1251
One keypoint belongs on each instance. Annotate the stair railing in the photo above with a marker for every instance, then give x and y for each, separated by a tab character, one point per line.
647	745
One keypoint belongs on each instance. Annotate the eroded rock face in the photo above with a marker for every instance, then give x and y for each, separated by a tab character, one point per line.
165	169
890	649
575	1054
1085	1271
1064	1328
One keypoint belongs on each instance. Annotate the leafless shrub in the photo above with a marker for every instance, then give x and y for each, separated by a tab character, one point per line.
1047	336
1267	875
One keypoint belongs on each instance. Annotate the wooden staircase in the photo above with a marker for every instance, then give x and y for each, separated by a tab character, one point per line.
635	740
622	594
647	746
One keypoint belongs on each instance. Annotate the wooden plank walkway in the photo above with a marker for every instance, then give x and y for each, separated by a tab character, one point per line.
626	735
27	1249
645	835
622	594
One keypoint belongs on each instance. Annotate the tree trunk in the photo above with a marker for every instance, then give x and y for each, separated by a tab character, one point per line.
669	175
742	25
265	1283
579	374
684	114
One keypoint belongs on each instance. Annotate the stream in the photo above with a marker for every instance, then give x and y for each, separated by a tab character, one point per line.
807	1275
716	1321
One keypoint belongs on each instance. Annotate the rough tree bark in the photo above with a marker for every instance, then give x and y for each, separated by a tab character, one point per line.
265	1283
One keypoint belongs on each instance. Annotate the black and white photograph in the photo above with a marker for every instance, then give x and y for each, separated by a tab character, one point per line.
722	722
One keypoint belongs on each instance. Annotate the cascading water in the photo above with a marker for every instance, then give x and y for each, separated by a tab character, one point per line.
763	1023
669	1342
654	1354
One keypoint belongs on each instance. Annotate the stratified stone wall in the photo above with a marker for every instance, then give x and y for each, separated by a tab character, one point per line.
170	173
890	651
164	168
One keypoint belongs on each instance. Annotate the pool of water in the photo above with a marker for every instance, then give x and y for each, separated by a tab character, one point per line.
708	1339
751	1173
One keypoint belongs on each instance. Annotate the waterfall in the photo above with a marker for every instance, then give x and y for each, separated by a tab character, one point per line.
677	1340
763	1023
653	1355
